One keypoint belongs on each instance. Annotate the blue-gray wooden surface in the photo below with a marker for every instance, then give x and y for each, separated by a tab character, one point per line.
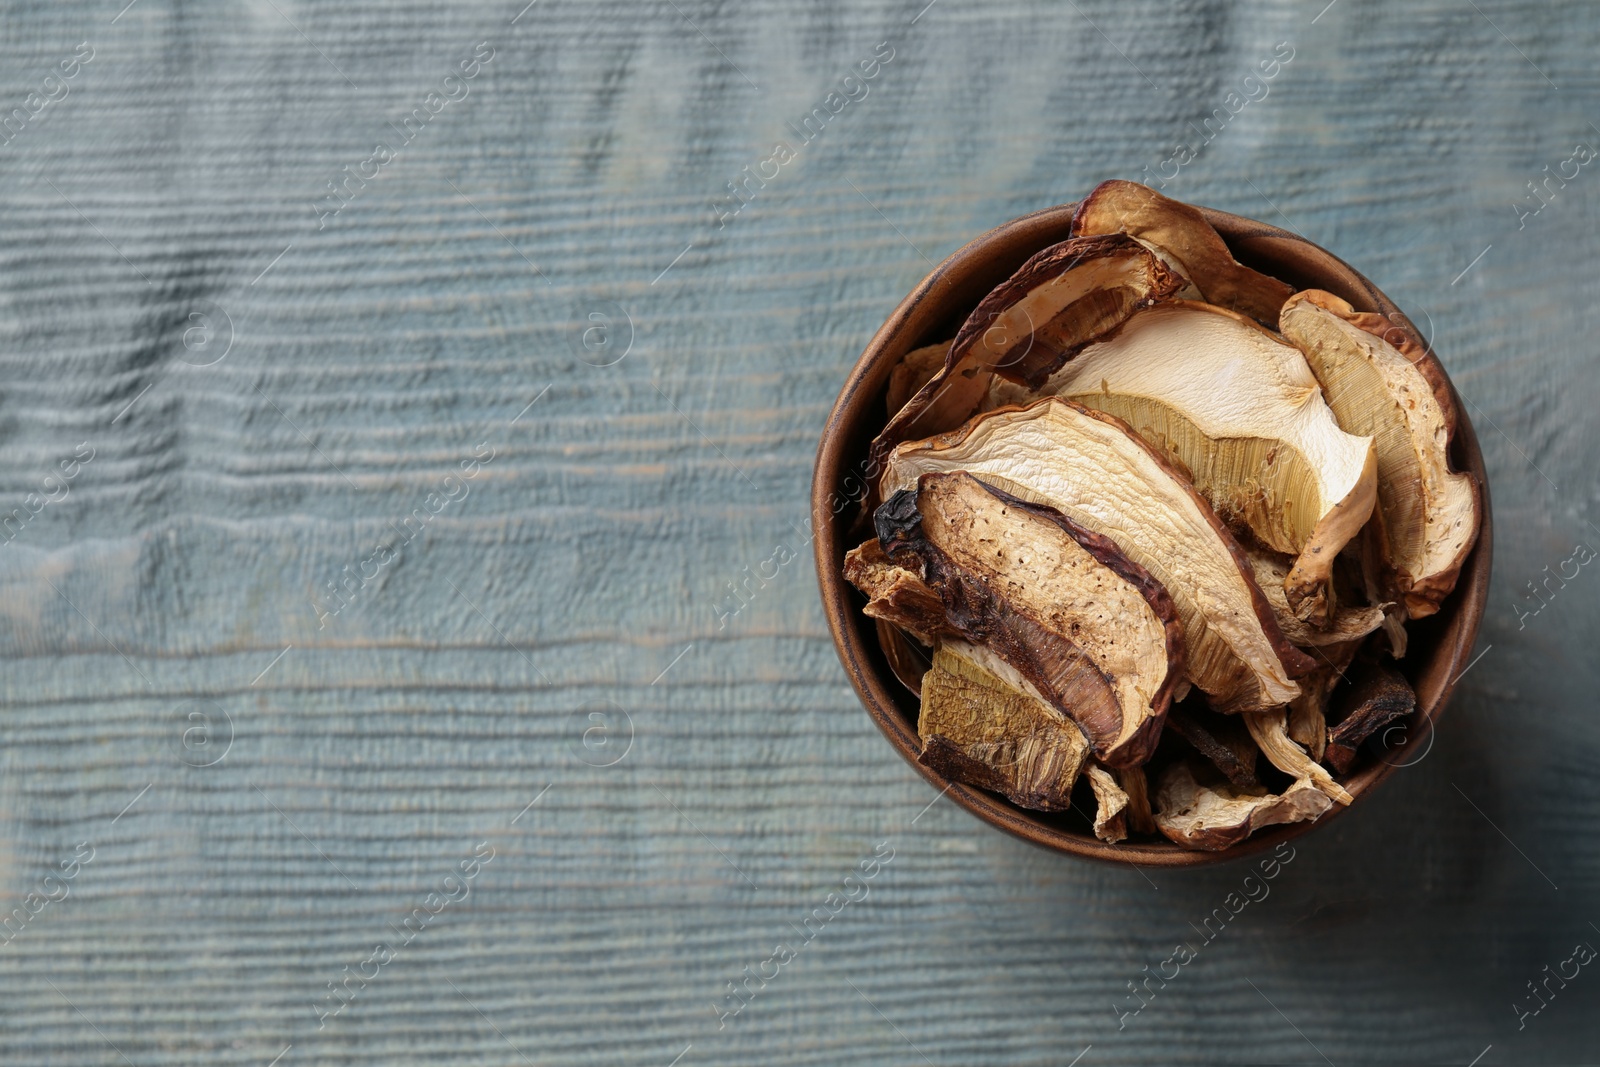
270	789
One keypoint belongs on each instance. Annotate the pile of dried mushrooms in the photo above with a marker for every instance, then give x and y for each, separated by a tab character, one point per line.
1138	519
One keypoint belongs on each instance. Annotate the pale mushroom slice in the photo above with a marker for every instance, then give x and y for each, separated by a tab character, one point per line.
1242	414
1270	729
1211	815
1350	622
1090	467
1111	802
1186	242
978	728
1058	301
915	369
1429	514
1090	629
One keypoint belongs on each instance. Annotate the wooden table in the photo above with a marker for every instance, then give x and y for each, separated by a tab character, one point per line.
426	373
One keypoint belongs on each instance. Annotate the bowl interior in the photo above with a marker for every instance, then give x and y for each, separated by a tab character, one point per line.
1439	646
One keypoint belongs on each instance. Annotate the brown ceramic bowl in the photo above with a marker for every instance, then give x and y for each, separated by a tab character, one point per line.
1440	646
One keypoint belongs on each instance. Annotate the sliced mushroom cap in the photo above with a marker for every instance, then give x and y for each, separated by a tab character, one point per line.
1241	412
1377	699
915	369
1211	815
1091	630
1185	241
1063	298
1429	514
1111	803
1091	468
977	728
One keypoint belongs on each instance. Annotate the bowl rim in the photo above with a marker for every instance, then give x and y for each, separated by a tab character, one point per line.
1257	244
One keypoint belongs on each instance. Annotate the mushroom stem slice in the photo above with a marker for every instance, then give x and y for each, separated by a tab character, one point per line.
1241	412
1348	623
978	728
1211	816
1091	630
1092	469
1380	697
1271	732
1430	514
1111	802
1058	301
1185	241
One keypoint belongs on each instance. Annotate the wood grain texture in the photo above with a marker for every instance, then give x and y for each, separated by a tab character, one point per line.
367	361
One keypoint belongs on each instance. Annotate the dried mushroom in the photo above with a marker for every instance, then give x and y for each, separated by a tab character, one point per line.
1111	803
1089	467
1186	242
994	735
1213	815
1117	481
1429	513
1377	699
1058	301
1242	414
1091	631
915	369
1271	732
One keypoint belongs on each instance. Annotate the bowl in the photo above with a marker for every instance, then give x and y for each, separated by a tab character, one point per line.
1440	646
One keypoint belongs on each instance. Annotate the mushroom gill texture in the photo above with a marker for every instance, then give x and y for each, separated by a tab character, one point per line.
1180	235
1090	630
1242	414
1429	514
980	728
1091	468
1197	811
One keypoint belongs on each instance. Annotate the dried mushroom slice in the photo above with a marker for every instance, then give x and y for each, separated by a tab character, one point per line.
1137	815
1212	816
1185	241
908	662
1090	629
894	594
1377	699
1349	622
1242	414
1063	298
977	728
1091	468
1429	514
1110	815
1271	732
915	369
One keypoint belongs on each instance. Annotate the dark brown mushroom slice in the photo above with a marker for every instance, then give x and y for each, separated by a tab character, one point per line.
1137	814
895	594
1180	235
990	732
1201	811
1090	629
907	660
1093	469
1221	740
1380	696
1060	300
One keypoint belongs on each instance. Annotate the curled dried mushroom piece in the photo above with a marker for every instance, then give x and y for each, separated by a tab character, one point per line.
1091	468
1186	242
1111	804
1058	301
915	369
1089	629
1377	699
984	729
1241	413
1212	815
1429	514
